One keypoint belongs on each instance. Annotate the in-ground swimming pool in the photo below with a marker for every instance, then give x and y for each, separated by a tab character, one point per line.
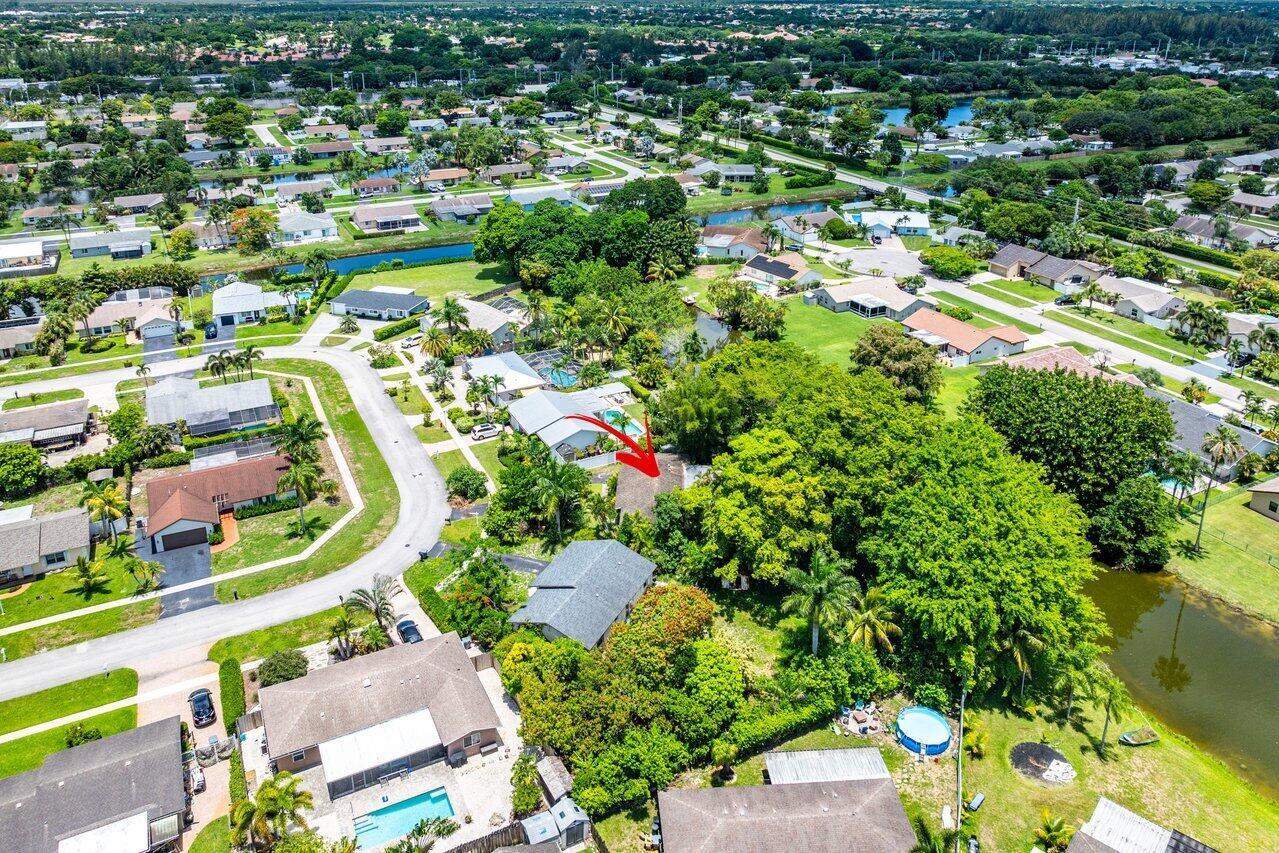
559	378
395	821
620	420
923	730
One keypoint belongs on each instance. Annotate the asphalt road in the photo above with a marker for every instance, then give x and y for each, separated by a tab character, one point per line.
423	508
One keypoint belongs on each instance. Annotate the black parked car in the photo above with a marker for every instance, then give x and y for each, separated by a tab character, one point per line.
210	331
202	710
408	632
1064	299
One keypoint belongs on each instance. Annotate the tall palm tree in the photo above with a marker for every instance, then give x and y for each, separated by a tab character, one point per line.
301	439
316	265
146	573
1105	689
771	234
822	594
870	620
1023	646
435	341
375	600
217	365
556	492
90	577
452	315
104	503
302	477
263	820
1223	447
537	312
340	631
143	373
476	340
250	354
422	837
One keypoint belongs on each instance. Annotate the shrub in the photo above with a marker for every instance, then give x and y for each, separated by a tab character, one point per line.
254	510
528	793
231	688
439	610
172	459
239	786
20	469
959	312
949	262
80	733
390	330
467	483
194	443
217	537
281	667
382	357
931	694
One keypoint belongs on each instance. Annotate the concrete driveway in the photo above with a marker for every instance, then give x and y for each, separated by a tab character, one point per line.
153	349
897	263
183	565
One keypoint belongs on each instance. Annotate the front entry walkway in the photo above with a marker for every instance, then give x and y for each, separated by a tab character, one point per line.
230	533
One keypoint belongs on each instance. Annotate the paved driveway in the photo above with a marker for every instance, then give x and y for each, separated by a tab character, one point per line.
890	262
183	565
152	349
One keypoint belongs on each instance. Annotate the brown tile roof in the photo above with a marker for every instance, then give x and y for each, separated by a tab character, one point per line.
330	147
1067	359
961	335
448	174
220	487
179	506
376	183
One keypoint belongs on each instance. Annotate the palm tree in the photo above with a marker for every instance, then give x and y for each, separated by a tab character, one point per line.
250	354
822	594
1091	292
348	326
279	804
375	600
663	269
476	340
1052	834
556	492
771	233
1105	689
104	503
1183	467
617	321
1194	391
1023	646
374	639
146	573
302	477
1223	447
537	312
1234	353
435	341
316	265
217	365
452	315
870	620
301	438
330	488
1254	406
929	840
340	630
422	837
90	576
143	372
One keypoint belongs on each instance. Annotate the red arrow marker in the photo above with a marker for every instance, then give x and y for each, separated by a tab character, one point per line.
642	459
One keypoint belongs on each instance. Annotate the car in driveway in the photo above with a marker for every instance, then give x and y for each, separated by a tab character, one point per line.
210	331
1064	299
435	188
196	777
479	432
407	629
202	711
410	342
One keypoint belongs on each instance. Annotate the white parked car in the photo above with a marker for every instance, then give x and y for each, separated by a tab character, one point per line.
410	342
479	432
435	188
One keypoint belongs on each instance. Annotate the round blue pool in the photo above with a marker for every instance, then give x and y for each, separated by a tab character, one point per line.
923	730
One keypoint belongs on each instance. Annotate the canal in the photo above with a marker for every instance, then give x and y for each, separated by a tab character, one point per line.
1205	669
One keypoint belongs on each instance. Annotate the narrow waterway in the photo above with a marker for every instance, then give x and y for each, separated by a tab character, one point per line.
1205	669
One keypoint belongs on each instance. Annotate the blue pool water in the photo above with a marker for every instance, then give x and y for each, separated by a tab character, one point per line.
560	378
619	419
920	728
395	821
303	295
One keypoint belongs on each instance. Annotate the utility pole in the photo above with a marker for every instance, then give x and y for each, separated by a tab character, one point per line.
959	771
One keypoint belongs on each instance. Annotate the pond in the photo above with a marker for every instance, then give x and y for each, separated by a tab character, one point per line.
961	113
342	266
1203	668
747	214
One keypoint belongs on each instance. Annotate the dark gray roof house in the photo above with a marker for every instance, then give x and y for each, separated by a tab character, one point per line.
585	590
39	426
382	305
124	792
1193	424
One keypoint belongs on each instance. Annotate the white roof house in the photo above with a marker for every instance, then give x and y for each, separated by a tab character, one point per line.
514	372
1115	828
244	301
546	415
907	221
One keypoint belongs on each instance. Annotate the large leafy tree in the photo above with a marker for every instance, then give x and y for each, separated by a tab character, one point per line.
908	363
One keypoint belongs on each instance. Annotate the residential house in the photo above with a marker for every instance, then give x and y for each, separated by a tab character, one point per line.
529	198
25	257
1142	300
34	545
378	304
731	241
1088	142
211	409
138	204
587	589
885	223
593	192
1248	162
957	236
565	163
329	150
463	208
182	510
1202	230
401	216
513	374
387	145
241	302
124	792
279	155
1194	424
504	326
555	117
50	214
52	425
26	131
1259	205
329	131
376	186
353	724
549	416
292	192
628	95
517	171
1240	326
1115	829
771	275
804	228
207	235
962	342
427	125
150	318
120	245
1264	498
870	297
1061	274
447	177
303	227
733	173
18	339
691	184
1066	359
637	491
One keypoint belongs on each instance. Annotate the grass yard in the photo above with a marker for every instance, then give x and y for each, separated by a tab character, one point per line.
425	574
273	536
449	461
826	334
67	699
413	403
1135	329
996	318
1172	386
1075	321
457	532
431	434
438	280
1027	290
1002	295
711	200
58	592
381	504
23	754
956	382
52	499
39	399
916	242
486	452
215	837
1235	566
277	638
77	630
111	346
262	330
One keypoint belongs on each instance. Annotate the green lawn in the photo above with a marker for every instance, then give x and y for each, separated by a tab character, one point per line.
67	699
287	635
274	535
1135	329
449	461
414	403
1238	545
39	399
438	280
995	317
486	452
57	593
827	334
1170	385
23	754
457	532
956	382
916	242
215	837
1002	295
381	501
81	628
106	347
425	574
1074	320
431	434
711	200
1027	290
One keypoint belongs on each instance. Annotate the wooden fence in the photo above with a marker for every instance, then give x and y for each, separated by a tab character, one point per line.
510	834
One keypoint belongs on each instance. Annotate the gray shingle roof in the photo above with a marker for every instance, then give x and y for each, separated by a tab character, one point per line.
22	543
587	588
1193	424
376	300
93	785
178	398
1013	253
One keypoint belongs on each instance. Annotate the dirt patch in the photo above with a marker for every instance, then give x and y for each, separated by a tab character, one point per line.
1032	759
708	270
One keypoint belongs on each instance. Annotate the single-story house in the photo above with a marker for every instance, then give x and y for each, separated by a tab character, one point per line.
593	192
555	117
144	203
376	186
1115	829
387	145
1248	162
1202	230
303	227
1261	205
771	274
956	235
885	223
291	192
1061	274
128	243
513	373
494	174
502	325
447	177
125	792
26	131
241	302
1066	359
47	213
18	340
427	125
739	173
637	492
33	545
1141	300
207	235
1240	326
546	415
389	713
1264	498
587	589
731	241
461	208
962	342
20	254
50	425
279	154
330	131
182	510
329	150
869	297
378	304
529	198
1182	171
804	227
211	409
1194	424
150	317
565	163
400	216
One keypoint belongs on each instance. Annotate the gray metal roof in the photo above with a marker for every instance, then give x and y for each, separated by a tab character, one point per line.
178	398
39	419
131	236
93	785
825	765
587	588
377	300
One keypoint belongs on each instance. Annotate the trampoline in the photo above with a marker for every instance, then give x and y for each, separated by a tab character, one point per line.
923	731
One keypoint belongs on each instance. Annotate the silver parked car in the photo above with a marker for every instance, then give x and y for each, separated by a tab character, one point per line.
479	432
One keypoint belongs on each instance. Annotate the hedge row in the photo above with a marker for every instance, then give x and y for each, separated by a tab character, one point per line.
435	607
172	459
752	733
1173	246
392	329
231	687
239	786
191	442
254	510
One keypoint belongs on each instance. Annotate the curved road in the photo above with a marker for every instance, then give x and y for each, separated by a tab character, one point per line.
423	510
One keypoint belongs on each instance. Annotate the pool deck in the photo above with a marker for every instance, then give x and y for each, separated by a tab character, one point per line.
479	789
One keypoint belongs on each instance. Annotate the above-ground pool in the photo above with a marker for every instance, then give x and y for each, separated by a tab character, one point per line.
394	821
923	730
